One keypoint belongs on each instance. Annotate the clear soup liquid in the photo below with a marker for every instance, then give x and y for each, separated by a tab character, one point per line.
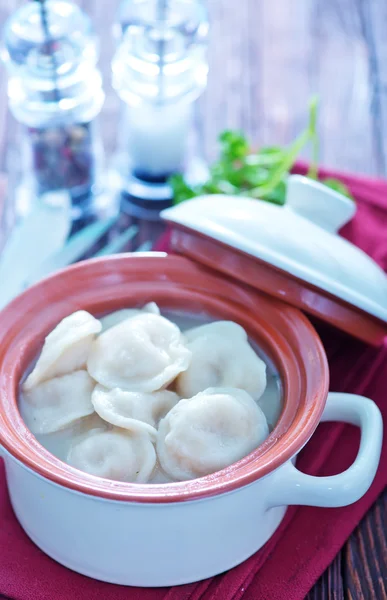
59	443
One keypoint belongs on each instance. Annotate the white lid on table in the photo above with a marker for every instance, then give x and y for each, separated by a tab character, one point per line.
300	238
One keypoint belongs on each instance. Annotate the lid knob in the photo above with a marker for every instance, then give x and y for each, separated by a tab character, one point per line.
319	203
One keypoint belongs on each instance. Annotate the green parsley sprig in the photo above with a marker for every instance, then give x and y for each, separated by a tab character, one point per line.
260	175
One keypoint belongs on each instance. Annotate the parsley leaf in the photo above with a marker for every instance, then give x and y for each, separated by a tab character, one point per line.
261	174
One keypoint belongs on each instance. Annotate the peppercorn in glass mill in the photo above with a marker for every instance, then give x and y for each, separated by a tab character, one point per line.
159	70
55	93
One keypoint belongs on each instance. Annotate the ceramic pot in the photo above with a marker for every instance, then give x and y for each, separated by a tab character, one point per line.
168	534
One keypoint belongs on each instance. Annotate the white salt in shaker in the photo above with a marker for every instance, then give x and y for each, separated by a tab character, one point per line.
159	70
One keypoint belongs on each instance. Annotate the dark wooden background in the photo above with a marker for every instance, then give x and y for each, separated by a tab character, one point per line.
267	57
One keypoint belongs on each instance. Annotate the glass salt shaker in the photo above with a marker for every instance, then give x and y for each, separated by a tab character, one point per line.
159	69
55	94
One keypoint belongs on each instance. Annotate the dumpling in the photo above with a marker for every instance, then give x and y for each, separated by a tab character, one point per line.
208	432
220	328
65	349
120	315
55	404
133	410
142	354
115	454
221	357
59	442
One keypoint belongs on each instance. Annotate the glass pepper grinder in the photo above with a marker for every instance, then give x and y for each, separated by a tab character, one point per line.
159	69
55	93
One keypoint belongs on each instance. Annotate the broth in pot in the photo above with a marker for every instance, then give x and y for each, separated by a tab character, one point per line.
143	396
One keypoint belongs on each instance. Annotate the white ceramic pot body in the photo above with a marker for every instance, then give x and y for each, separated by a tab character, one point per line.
172	543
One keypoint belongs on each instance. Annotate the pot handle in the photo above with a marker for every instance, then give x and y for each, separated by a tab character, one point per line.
291	486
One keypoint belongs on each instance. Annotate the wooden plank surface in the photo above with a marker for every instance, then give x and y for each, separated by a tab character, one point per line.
267	57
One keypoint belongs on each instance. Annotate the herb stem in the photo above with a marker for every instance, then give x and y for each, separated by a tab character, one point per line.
313	168
283	167
261	175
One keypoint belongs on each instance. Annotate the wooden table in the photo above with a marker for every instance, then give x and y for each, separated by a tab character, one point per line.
267	58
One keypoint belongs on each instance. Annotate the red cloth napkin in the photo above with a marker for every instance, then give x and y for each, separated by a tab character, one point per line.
308	539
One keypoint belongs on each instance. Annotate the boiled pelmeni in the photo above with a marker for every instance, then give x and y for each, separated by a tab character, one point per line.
57	403
227	329
118	316
65	349
115	454
142	354
208	432
135	411
221	357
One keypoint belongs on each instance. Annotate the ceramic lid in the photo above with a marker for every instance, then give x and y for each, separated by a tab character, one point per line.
292	252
